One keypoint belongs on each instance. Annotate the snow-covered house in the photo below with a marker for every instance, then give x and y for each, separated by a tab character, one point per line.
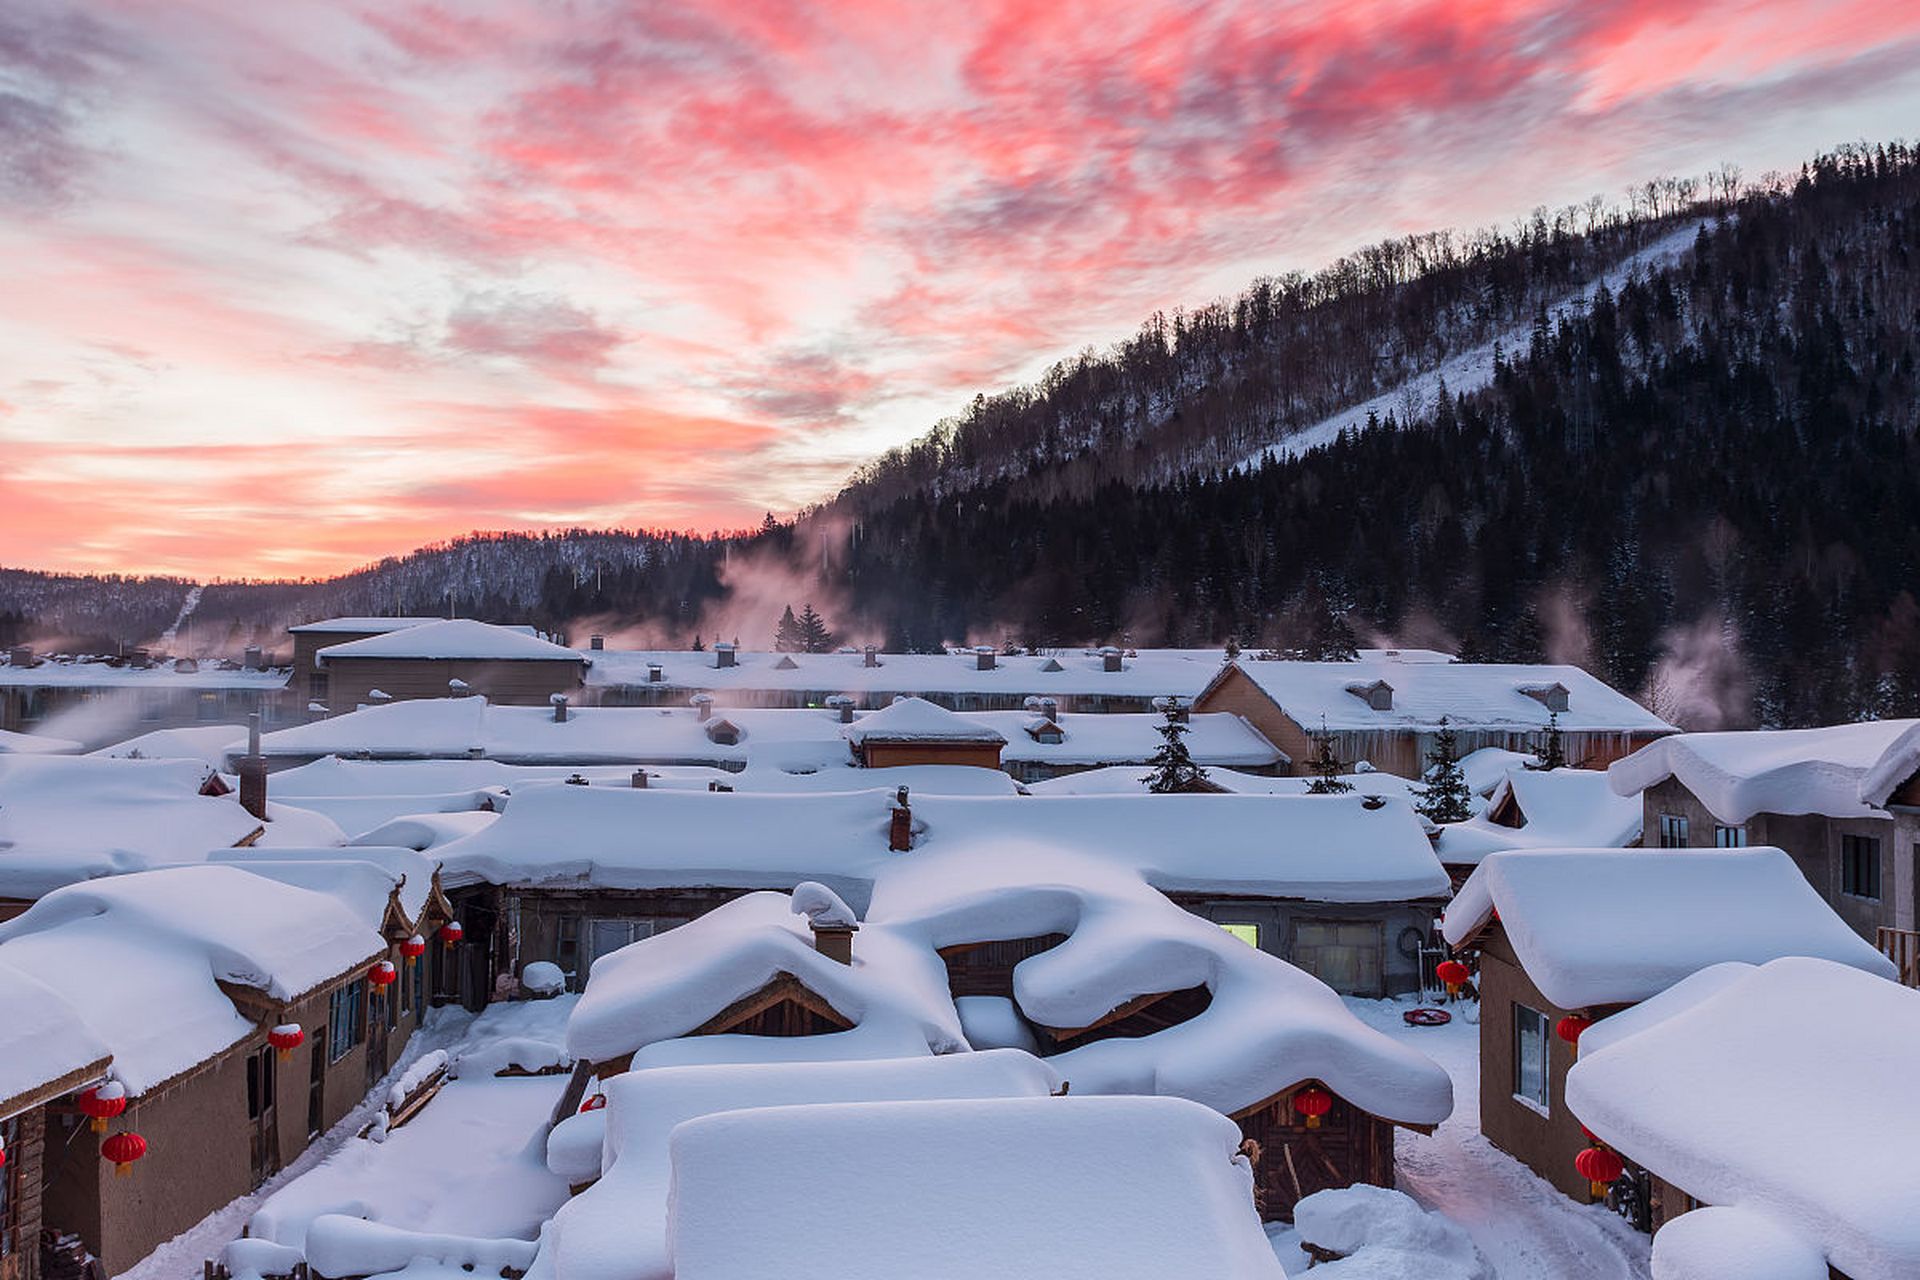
913	731
47	1052
187	976
507	664
1018	1187
1541	809
1045	743
96	700
1770	1112
1844	800
1568	938
1385	708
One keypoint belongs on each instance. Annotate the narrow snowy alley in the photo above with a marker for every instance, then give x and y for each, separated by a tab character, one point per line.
1524	1227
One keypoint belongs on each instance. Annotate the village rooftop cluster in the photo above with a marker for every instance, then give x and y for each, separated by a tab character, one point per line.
443	948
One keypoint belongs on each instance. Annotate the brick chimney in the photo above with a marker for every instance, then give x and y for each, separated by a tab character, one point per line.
900	828
639	779
983	657
834	941
1109	658
255	659
703	703
870	656
21	655
253	773
559	701
844	705
723	654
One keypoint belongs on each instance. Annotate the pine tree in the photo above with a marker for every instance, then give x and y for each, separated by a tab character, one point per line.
1173	766
1553	752
1326	767
786	636
1233	647
1445	798
813	634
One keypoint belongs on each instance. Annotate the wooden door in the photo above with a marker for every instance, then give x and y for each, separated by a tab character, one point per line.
1347	955
263	1113
317	1085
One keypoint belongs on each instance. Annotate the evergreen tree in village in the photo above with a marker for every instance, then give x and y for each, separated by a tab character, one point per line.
1553	750
786	635
1445	798
1326	767
807	633
1173	766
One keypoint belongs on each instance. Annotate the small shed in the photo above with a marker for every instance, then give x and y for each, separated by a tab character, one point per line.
915	731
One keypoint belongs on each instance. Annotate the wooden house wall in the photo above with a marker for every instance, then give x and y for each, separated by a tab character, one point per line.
986	969
884	755
20	1230
523	683
1349	1146
1399	925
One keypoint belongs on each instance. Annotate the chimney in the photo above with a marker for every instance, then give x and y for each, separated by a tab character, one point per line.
703	703
723	654
900	829
1050	709
639	779
139	659
1109	658
21	655
983	657
254	660
844	705
596	643
654	673
720	786
834	941
253	773
559	701
870	656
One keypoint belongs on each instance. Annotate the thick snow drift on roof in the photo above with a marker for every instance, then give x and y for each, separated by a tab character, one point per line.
42	1038
1021	1187
1146	673
449	639
1469	695
670	984
1131	779
1269	1027
1318	848
1563	809
209	744
64	819
1791	771
140	956
34	744
617	1229
1614	926
425	831
359	626
1724	1243
1486	768
1899	762
917	720
1715	1099
1215	739
361	876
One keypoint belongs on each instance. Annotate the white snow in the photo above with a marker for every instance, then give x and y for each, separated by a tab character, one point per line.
1733	1244
1560	809
543	978
452	639
917	720
1486	768
1068	1187
1382	1234
42	1038
1615	926
1787	771
1214	739
1787	1092
34	744
421	1071
821	905
994	1022
209	744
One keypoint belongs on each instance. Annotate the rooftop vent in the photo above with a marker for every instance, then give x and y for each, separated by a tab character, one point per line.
1051	665
1377	694
654	673
254	659
1110	658
844	705
1551	696
723	654
639	779
870	656
559	701
596	643
703	703
786	663
983	657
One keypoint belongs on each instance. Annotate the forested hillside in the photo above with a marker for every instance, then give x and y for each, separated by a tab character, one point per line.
1703	485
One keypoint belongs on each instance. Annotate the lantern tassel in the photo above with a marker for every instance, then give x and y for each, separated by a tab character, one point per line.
1313	1122
99	1124
122	1170
1599	1190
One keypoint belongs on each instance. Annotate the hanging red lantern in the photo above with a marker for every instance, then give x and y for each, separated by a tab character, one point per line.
123	1149
285	1038
595	1103
1570	1027
102	1103
1599	1166
1313	1102
452	933
413	948
1454	974
3	1153
382	975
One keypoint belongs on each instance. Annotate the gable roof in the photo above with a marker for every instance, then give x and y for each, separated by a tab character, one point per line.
917	720
453	639
1827	771
1615	926
1562	808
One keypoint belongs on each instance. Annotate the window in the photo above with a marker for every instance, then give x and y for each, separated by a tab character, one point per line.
344	1025
1729	837
9	1195
261	1089
1247	933
606	936
417	984
1673	831
207	711
1530	1044
317	686
1860	866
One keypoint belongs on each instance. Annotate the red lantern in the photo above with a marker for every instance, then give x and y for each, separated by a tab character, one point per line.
123	1149
452	933
413	948
594	1103
1570	1027
1313	1102
1454	974
3	1153
102	1103
382	975
285	1038
1599	1167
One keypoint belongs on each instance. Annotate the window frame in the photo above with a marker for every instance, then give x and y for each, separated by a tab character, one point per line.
1854	849
1542	1033
346	1019
1729	837
1233	928
1675	830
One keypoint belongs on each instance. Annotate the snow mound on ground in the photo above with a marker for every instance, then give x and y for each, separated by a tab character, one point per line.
574	1146
1384	1235
1733	1244
414	1076
338	1245
256	1259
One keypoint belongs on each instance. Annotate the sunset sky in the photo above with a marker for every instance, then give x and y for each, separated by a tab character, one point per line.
291	286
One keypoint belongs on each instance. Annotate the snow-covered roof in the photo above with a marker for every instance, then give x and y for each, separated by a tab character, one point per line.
1131	779
43	1041
1484	769
1615	926
362	876
210	744
1787	771
1217	739
1562	808
1268	1027
1146	673
617	1229
67	672
1020	1187
140	957
358	626
1717	1242
70	818
647	994
34	744
917	720
453	639
1469	695
1714	1097
423	831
